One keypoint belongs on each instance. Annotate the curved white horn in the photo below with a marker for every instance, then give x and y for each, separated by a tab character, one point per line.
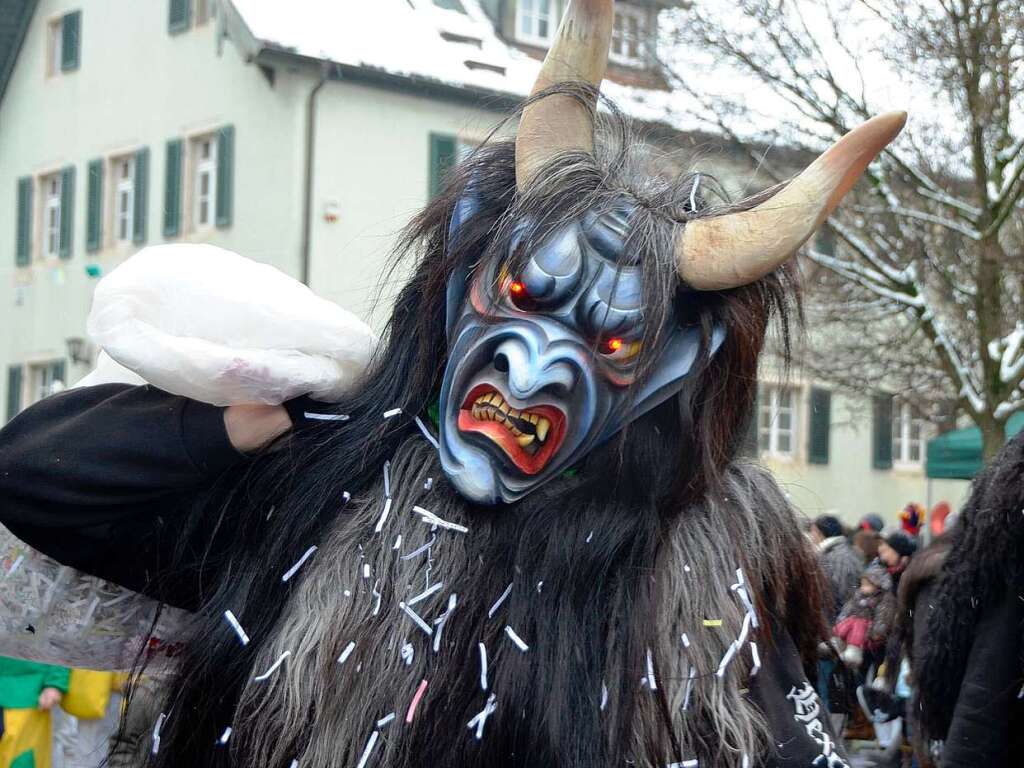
560	123
738	248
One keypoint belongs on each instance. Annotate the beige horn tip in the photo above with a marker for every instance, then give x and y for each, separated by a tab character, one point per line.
738	248
557	123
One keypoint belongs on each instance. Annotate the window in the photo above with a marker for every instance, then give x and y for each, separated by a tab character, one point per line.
182	14
124	199
51	187
54	47
63	43
907	435
45	379
776	421
537	20
205	10
205	191
628	36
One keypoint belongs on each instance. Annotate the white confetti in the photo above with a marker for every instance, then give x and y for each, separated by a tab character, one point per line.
376	594
756	657
387	478
16	564
346	497
237	627
540	585
392	413
273	667
480	720
302	560
225	736
520	643
408	653
385	720
156	732
398	542
427	593
294	764
326	416
419	551
483	667
429	484
499	601
416	618
366	570
693	193
651	680
383	515
441	621
689	688
347	652
604	696
369	748
686	640
426	433
686	568
590	536
429	517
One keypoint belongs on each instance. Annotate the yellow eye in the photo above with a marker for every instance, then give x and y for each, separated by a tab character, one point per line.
619	349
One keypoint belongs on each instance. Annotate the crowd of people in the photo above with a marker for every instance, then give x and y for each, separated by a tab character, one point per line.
925	647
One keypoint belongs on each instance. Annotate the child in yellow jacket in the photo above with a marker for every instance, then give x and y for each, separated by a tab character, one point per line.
28	691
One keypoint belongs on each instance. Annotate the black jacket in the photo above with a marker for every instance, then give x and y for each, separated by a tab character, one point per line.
103	479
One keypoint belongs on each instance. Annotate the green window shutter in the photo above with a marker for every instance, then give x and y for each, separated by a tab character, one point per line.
225	175
23	248
881	431
180	16
141	198
71	41
67	210
442	158
172	189
60	372
13	391
94	207
820	422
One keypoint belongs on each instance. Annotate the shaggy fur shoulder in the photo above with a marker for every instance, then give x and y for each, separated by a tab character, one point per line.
985	558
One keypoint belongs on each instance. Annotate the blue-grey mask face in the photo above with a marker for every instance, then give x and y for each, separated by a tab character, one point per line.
525	396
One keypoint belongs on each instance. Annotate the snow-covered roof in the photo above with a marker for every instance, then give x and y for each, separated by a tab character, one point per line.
418	39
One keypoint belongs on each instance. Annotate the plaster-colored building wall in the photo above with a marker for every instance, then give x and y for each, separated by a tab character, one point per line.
848	486
373	162
136	86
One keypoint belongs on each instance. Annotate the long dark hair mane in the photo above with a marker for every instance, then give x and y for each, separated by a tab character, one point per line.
260	520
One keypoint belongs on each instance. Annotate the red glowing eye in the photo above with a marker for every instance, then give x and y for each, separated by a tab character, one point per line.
516	288
613	345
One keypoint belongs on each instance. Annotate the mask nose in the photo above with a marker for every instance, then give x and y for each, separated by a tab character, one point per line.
530	369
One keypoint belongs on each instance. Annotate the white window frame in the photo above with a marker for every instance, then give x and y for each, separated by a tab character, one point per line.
41	379
124	189
905	419
200	166
51	188
54	46
620	39
769	435
529	12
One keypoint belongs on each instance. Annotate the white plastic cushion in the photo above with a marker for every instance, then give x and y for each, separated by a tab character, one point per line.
206	323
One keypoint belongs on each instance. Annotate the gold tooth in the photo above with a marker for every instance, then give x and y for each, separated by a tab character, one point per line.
524	440
513	430
534	418
488	399
503	407
542	429
476	411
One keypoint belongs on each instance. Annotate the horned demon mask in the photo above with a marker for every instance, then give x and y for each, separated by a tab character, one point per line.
542	364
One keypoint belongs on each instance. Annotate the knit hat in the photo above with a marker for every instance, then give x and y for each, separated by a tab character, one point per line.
878	575
872	523
829	526
904	544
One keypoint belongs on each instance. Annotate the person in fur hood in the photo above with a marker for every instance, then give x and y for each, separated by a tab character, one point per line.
971	668
863	623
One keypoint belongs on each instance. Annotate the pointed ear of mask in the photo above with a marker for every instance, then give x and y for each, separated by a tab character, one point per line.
465	209
667	379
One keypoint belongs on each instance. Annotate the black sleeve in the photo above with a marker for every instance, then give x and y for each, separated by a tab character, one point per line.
99	477
980	731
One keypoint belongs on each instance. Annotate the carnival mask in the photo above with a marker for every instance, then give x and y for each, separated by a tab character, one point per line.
543	365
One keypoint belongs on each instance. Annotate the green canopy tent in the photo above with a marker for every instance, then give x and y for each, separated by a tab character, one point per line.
956	455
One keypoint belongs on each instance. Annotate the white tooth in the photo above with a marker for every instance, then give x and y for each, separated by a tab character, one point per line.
524	440
542	429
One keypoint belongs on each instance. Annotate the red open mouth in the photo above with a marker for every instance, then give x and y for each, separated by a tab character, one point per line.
529	437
